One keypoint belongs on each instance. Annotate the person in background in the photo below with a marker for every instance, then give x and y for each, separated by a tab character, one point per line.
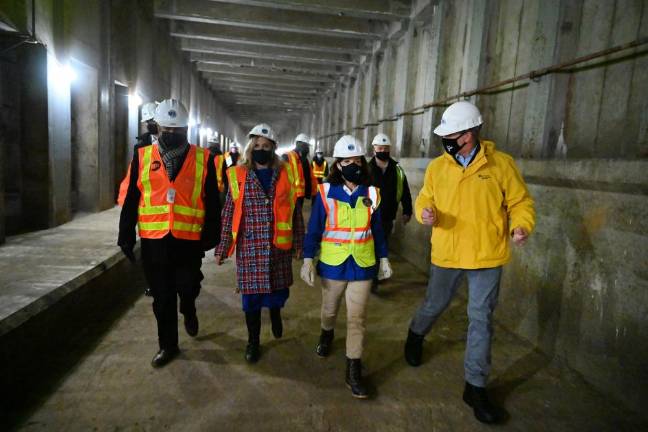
320	166
389	177
260	222
345	227
172	199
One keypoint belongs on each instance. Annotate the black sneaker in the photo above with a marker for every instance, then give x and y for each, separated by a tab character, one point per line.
164	356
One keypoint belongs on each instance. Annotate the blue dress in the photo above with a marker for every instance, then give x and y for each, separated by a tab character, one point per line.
275	299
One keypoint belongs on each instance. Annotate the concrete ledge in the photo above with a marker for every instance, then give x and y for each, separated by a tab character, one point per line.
38	269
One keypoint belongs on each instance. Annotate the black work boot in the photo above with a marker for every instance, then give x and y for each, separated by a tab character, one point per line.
325	341
253	350
413	348
164	356
191	324
354	379
477	398
277	324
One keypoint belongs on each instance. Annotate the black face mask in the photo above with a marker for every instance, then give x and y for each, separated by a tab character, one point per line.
261	157
152	128
352	173
451	146
303	150
383	156
170	140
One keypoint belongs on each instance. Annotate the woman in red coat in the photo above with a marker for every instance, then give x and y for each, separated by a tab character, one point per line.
258	220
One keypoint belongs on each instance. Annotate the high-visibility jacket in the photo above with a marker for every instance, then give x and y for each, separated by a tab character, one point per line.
400	181
297	173
319	171
175	207
348	230
283	206
477	208
219	160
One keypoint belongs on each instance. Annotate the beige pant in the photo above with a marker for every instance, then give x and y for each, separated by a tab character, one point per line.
357	295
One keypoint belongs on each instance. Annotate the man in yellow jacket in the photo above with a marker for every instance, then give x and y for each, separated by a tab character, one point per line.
475	199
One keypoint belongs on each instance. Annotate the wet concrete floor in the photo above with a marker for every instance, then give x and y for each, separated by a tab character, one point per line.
210	387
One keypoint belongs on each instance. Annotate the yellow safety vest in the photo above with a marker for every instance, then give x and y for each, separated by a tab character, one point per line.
348	230
319	170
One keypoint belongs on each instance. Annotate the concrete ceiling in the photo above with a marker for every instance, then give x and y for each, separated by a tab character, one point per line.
270	60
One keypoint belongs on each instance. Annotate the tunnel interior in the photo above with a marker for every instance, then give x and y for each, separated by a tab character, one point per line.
561	86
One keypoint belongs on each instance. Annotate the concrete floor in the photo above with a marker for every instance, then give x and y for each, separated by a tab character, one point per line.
210	387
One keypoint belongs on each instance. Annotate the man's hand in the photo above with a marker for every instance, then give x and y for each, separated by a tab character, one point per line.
219	259
406	219
429	216
128	251
520	236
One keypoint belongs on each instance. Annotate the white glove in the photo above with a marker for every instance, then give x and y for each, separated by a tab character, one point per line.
308	271
384	271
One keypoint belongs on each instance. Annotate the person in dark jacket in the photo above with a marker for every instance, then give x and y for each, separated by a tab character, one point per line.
390	178
172	197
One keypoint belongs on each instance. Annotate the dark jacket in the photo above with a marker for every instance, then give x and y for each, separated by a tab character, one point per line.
170	248
386	182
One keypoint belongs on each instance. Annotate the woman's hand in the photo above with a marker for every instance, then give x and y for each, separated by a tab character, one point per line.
308	272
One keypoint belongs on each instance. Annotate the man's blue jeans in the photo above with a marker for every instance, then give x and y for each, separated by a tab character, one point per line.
483	289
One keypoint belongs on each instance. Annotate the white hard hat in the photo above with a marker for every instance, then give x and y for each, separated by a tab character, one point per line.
302	137
263	130
348	146
381	139
234	144
459	116
171	113
318	149
214	139
148	111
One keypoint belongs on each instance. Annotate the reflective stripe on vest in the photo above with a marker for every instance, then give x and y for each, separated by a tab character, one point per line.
348	230
219	160
283	206
297	173
400	180
184	217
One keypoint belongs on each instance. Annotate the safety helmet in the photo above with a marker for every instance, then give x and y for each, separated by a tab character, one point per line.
148	111
302	137
263	130
381	139
234	144
214	139
348	146
318	149
171	113
459	116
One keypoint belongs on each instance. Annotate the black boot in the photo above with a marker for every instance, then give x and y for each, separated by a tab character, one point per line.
325	341
413	348
277	325
354	379
164	356
253	321
477	398
191	324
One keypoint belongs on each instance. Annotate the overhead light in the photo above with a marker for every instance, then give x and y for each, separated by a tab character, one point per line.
135	99
61	75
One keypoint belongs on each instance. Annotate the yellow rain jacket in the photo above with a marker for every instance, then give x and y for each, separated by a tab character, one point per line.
477	208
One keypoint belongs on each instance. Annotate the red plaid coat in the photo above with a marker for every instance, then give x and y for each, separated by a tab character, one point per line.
260	266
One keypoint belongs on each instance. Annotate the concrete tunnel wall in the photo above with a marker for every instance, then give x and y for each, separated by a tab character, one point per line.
107	44
579	290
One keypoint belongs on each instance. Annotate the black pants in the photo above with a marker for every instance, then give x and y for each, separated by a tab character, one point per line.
169	280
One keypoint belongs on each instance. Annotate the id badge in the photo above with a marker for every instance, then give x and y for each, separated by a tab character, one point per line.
171	196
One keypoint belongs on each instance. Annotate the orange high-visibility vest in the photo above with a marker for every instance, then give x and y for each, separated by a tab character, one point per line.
171	207
282	207
219	160
123	188
319	170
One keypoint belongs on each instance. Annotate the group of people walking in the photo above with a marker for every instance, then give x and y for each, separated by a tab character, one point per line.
473	196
